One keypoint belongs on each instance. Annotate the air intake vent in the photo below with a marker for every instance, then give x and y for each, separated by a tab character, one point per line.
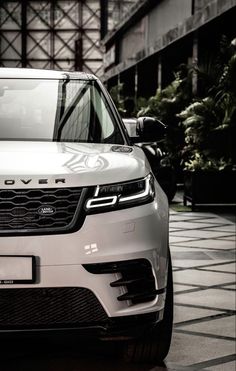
49	307
137	277
35	210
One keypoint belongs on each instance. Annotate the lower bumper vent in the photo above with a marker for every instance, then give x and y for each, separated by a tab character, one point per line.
137	277
49	308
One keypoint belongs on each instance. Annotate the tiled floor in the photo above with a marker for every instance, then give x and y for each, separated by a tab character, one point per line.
203	254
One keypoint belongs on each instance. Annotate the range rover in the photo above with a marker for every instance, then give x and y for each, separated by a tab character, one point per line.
83	221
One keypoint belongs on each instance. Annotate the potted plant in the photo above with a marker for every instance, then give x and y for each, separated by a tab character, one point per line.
209	181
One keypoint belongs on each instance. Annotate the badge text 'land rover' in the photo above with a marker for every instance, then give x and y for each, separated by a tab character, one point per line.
83	221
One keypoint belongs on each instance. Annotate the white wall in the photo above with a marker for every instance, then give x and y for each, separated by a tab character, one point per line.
166	15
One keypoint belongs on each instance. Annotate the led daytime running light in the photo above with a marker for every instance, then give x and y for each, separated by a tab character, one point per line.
101	202
143	194
115	201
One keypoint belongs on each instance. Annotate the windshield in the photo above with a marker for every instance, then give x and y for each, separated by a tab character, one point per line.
56	110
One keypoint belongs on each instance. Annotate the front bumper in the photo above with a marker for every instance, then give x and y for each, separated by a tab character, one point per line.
118	328
137	233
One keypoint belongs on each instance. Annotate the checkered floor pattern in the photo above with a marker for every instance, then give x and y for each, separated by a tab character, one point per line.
203	252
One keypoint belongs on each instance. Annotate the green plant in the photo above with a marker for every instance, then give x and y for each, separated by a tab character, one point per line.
199	161
209	122
166	104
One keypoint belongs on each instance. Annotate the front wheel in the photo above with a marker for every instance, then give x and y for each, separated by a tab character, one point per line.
154	346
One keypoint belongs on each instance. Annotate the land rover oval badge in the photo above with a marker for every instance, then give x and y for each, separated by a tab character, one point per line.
46	210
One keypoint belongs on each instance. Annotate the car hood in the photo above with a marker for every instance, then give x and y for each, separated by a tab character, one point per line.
40	164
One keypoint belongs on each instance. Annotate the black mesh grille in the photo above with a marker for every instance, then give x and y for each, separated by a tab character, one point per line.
20	209
48	308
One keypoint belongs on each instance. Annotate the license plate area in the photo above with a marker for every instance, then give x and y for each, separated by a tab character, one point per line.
17	269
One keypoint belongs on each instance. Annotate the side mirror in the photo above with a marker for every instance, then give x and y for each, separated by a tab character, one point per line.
131	127
145	129
150	129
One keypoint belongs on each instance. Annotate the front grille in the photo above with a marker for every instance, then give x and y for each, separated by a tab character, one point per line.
136	276
20	209
49	308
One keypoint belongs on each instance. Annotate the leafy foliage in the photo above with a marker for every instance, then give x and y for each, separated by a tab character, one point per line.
166	104
201	131
209	122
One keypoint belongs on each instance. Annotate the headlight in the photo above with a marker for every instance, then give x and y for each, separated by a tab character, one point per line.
122	195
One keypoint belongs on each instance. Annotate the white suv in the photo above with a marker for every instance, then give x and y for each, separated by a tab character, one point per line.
83	222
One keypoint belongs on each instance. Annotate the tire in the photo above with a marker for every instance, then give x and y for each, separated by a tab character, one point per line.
154	346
